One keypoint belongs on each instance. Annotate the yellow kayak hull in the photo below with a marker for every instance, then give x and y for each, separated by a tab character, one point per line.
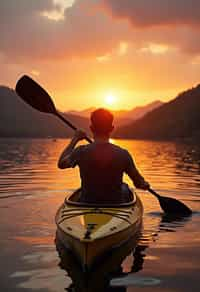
90	231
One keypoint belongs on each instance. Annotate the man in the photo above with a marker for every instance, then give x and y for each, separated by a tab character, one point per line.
101	163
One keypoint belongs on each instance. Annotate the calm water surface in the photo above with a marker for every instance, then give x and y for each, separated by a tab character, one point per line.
167	257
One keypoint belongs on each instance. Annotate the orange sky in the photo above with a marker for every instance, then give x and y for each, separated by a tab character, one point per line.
86	50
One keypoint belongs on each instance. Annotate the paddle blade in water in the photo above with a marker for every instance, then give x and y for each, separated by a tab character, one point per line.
173	206
33	94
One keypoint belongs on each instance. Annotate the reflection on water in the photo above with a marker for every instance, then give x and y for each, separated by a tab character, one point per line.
114	270
96	279
31	190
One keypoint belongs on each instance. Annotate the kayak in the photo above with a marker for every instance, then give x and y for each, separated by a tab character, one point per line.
91	230
108	268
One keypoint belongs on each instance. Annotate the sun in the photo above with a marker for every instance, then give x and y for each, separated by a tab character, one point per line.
110	99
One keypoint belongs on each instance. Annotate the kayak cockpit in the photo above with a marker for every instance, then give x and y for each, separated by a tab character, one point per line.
74	200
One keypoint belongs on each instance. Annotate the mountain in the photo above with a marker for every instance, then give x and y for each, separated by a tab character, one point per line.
138	112
176	119
122	117
17	119
84	113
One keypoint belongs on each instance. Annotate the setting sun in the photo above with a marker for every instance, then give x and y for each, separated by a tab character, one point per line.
110	99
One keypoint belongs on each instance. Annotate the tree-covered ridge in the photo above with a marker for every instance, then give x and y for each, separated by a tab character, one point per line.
17	119
177	119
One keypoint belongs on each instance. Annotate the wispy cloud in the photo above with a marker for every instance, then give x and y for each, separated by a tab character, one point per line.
35	72
100	44
143	13
123	48
58	12
157	49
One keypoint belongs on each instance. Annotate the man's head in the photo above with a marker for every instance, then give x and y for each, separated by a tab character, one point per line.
101	122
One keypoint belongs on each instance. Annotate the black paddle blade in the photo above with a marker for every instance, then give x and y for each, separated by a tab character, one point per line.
33	94
173	206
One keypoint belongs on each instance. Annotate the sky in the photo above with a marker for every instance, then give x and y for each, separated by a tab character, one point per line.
110	53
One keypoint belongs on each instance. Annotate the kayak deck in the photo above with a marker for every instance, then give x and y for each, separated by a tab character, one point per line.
90	230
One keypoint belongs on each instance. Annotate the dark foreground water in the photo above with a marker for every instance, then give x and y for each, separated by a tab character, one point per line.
167	257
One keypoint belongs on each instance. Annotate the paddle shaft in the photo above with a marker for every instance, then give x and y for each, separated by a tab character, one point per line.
70	124
154	193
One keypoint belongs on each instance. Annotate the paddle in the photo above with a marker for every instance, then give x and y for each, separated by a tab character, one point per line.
33	94
171	206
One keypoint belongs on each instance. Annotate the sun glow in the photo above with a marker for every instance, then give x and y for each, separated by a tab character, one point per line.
110	100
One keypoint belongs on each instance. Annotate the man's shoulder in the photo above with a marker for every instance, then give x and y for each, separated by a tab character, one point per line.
119	149
112	147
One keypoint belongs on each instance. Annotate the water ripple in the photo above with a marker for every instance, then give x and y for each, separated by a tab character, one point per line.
32	188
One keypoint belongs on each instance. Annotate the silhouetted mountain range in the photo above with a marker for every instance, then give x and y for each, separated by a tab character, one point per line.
123	117
177	119
17	119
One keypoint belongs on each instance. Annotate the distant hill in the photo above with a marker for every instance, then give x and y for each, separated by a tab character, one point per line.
17	119
177	119
123	117
82	113
138	112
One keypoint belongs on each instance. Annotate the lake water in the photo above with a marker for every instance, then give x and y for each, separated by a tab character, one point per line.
167	257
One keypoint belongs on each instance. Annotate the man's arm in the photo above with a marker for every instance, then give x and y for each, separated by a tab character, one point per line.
138	179
135	175
65	160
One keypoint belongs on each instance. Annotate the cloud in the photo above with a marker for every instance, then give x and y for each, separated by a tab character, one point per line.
123	48
29	31
148	13
35	72
157	49
97	48
58	13
104	58
46	30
